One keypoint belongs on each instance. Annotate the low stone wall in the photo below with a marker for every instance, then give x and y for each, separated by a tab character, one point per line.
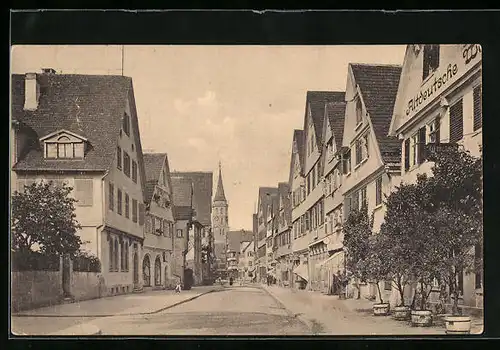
32	289
87	285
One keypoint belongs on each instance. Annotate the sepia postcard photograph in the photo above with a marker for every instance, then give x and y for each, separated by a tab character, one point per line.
253	190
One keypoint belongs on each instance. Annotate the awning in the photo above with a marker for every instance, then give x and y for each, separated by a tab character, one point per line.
301	270
335	259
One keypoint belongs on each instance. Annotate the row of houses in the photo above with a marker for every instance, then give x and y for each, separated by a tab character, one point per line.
146	224
355	147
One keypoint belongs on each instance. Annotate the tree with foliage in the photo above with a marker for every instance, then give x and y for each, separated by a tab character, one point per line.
455	192
43	216
357	232
374	265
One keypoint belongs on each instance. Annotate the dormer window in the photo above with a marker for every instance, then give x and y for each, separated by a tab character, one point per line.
63	145
126	124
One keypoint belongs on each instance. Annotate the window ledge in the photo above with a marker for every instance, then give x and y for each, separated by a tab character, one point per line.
358	125
377	207
360	163
429	77
348	174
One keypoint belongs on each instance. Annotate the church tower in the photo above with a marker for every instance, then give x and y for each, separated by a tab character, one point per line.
220	223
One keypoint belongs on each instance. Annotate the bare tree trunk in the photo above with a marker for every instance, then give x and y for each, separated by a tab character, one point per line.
379	292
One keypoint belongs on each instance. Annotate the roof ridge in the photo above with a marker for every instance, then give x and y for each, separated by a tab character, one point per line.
376	64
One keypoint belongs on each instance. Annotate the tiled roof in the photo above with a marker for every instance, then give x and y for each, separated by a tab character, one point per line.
181	191
284	189
153	165
234	239
316	100
265	200
379	86
336	115
202	196
182	212
298	138
88	105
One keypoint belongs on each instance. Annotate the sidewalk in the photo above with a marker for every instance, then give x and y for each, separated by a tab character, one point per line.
328	315
127	304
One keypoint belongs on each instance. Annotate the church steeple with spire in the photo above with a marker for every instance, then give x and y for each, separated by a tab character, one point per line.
220	223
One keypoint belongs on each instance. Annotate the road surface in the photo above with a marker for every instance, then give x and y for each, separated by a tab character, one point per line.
232	311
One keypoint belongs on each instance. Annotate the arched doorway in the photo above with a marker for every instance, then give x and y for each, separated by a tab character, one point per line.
146	271
157	271
136	269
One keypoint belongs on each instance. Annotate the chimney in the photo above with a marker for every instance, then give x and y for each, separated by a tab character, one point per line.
31	92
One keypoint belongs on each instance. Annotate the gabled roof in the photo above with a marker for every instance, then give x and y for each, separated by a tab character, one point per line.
284	191
379	86
317	100
335	112
298	139
182	191
234	239
202	195
88	105
264	199
153	164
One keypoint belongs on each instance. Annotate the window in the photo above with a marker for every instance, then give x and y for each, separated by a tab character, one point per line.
64	148
111	256
359	112
126	124
308	184
431	60
179	233
387	285
321	212
84	192
164	178
313	181
148	225
118	157
127	206
166	228
117	256
126	256
433	132
414	150
378	191
421	145
307	221
111	197
119	202
363	197
456	122
157	271
407	154
126	164
146	271
134	171
122	253
346	162
478	108
141	214
358	152
355	200
134	210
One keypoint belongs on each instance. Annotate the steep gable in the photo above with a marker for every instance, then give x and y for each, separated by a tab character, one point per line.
202	194
297	157
315	108
91	106
156	165
378	85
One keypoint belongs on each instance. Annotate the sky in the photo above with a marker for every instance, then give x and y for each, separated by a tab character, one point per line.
203	104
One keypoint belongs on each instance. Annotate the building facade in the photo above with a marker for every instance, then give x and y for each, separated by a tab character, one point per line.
266	195
83	130
439	103
159	225
246	267
282	238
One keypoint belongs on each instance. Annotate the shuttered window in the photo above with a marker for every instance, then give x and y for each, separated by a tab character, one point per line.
134	171
84	192
126	164
111	197
407	154
363	197
134	210
118	157
127	206
421	145
141	214
119	202
378	191
478	108
456	122
355	201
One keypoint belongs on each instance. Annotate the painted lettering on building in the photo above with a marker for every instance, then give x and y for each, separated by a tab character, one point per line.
439	82
470	52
